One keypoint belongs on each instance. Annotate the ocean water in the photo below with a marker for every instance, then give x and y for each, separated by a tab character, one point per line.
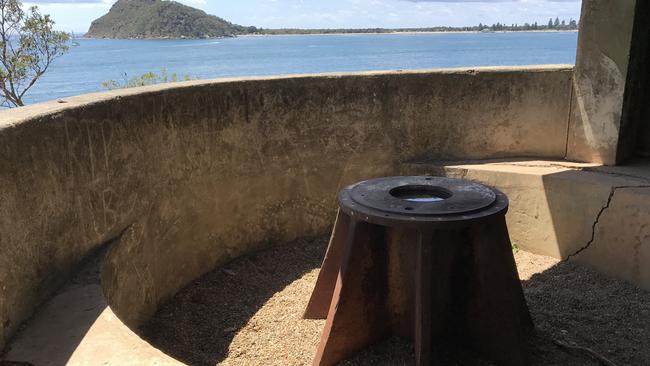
86	66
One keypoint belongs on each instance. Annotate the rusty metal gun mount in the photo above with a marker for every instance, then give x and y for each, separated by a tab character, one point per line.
425	258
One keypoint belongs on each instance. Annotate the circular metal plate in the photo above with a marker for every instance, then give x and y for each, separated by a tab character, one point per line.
420	199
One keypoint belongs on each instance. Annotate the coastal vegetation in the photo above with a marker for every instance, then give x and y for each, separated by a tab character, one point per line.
148	78
553	25
28	46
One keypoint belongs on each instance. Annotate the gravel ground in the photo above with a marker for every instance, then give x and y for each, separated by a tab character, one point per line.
250	313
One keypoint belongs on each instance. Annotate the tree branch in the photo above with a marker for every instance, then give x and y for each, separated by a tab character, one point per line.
29	46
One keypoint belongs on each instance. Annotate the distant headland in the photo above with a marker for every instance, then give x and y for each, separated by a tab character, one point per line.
142	19
158	19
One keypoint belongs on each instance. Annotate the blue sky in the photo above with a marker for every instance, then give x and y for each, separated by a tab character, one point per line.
76	15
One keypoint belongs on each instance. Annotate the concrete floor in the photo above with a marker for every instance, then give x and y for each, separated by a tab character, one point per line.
77	327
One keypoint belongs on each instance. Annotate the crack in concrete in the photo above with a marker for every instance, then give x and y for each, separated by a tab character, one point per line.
610	198
593	226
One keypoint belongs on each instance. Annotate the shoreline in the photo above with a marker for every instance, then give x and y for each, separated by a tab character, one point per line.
406	33
338	34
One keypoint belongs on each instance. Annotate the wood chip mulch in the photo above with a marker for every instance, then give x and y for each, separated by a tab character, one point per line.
250	313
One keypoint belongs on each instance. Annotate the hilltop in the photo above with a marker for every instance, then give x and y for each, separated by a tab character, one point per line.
161	19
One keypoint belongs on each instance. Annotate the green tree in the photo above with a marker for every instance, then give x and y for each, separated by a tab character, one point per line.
556	23
550	23
149	78
28	46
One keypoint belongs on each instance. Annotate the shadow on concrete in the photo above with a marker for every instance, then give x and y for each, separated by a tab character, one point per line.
599	217
53	334
595	223
578	199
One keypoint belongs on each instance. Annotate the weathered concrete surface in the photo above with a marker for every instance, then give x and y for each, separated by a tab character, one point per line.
77	328
191	175
597	216
621	243
604	44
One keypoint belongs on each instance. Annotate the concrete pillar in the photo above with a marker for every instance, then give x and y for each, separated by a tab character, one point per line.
601	69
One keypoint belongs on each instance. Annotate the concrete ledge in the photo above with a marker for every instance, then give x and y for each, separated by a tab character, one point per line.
20	115
76	327
594	215
50	341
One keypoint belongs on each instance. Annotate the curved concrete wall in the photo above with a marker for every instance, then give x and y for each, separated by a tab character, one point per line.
190	175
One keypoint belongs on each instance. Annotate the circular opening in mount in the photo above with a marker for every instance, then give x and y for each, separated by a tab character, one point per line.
420	193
